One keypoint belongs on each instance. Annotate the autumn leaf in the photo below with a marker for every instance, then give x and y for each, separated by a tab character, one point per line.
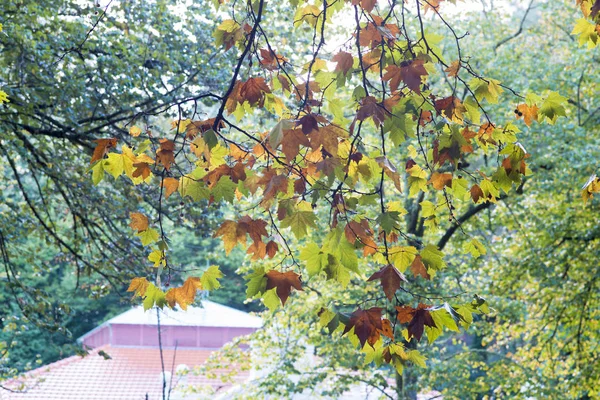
171	185
272	248
344	62
367	325
142	170
102	147
138	286
253	91
231	234
410	72
529	113
453	69
440	180
417	319
284	282
390	278
135	131
418	268
185	294
139	222
165	153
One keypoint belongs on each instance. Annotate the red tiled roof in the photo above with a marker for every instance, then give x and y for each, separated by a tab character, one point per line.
132	373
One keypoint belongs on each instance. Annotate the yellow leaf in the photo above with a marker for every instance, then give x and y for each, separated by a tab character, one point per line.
138	286
135	131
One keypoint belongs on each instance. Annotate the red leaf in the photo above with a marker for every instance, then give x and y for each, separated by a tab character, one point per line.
284	282
344	62
367	325
391	279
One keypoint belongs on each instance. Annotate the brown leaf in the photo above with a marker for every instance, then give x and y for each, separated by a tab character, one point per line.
231	235
367	325
369	107
292	140
253	91
390	278
165	153
476	193
309	123
387	329
344	62
453	69
141	169
272	248
418	268
256	228
102	148
284	282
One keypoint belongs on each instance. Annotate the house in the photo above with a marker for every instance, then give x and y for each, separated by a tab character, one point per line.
126	363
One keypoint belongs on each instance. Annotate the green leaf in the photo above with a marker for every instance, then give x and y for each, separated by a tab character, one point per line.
156	257
336	244
553	107
432	258
224	190
257	282
475	248
154	296
271	300
299	221
148	236
314	258
209	278
98	172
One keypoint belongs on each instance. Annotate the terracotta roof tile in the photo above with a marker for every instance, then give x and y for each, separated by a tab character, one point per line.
131	373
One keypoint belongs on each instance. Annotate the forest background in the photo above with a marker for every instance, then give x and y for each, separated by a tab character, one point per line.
539	273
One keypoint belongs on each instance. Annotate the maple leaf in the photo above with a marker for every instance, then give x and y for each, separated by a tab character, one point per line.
272	248
367	325
417	319
418	268
142	169
165	153
344	61
210	278
476	193
284	282
171	185
292	139
363	232
327	136
231	234
440	180
102	148
135	131
271	60
453	69
529	113
390	278
138	286
253	91
369	107
256	228
309	123
185	294
139	222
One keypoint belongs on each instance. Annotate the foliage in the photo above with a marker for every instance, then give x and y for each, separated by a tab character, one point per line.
331	164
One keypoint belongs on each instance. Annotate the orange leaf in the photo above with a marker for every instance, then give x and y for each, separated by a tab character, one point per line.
170	185
272	248
528	113
139	222
141	169
139	286
231	235
102	148
452	70
440	180
185	294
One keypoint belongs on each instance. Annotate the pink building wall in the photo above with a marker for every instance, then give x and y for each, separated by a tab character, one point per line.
171	336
